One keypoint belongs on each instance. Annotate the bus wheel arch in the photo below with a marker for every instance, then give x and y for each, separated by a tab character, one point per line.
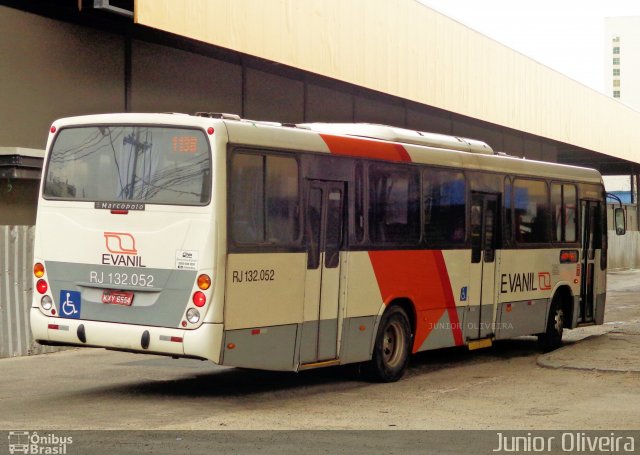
393	343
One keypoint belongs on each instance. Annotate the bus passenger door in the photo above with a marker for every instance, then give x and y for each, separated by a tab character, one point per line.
324	230
590	217
480	303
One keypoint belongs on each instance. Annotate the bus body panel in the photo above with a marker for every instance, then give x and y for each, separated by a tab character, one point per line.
204	342
600	290
268	307
264	290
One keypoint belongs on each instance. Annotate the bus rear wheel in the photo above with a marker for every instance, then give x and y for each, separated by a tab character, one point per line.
391	349
552	337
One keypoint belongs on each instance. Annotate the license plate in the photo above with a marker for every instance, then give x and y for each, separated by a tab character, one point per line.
117	297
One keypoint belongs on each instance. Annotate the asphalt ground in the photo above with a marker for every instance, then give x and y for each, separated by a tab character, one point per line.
114	402
613	346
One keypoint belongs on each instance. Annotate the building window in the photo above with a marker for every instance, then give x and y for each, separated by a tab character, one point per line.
616	60
616	71
616	83
616	50
616	39
616	93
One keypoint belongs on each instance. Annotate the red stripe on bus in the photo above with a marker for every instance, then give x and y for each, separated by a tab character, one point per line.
456	327
351	146
421	276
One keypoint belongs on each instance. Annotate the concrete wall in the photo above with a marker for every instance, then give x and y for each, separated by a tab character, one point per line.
164	79
624	250
18	201
53	69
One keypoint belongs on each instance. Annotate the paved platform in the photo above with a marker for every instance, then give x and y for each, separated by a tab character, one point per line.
612	351
614	346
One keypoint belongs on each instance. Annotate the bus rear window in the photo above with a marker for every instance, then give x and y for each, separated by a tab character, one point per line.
155	165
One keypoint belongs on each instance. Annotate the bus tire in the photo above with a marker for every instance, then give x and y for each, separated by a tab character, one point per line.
391	349
552	337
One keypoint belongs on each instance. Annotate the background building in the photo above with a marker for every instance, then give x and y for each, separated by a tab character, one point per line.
394	62
622	59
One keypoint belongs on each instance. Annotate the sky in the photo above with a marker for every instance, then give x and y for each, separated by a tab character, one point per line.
566	35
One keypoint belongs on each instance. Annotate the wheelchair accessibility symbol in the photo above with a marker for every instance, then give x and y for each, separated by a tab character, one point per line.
70	304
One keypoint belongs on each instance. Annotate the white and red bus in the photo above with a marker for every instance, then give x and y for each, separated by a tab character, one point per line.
288	247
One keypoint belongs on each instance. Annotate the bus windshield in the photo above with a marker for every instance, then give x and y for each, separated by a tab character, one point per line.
155	165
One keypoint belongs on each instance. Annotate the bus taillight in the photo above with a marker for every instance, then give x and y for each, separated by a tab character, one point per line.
204	282
568	256
42	286
199	299
38	270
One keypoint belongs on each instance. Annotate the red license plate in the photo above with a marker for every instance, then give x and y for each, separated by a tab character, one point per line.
117	297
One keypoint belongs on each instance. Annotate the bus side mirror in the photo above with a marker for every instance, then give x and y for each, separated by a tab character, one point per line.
620	221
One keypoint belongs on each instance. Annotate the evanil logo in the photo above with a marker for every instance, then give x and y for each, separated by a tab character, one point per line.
121	247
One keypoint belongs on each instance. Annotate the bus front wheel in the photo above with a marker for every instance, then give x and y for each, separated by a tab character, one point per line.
552	337
392	347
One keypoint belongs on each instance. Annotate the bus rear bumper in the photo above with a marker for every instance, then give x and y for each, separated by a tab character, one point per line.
204	342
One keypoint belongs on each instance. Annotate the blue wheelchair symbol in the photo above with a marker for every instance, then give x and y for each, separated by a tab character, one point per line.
70	304
463	294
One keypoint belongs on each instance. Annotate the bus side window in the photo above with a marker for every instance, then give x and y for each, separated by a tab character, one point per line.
563	212
247	198
394	201
531	203
281	200
570	212
359	219
444	196
508	213
264	199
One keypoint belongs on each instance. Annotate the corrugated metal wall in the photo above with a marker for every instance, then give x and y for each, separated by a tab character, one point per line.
16	257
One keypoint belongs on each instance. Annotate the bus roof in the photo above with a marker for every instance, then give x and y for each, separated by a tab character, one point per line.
421	147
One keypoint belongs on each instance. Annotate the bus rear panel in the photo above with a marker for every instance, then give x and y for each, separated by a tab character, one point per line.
124	253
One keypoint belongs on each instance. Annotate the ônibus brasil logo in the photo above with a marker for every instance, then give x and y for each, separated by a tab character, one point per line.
121	247
33	443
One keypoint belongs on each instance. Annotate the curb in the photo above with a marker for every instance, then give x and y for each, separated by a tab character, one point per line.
550	359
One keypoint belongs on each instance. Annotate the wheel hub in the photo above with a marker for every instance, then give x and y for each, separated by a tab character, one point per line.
392	344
